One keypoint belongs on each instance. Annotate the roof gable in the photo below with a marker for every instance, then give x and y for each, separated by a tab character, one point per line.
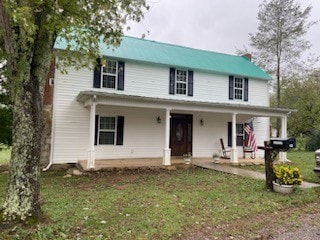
178	56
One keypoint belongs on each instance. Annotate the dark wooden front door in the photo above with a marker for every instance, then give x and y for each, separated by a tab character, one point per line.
181	134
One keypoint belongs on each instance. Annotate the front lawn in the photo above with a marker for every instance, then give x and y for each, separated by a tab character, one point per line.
155	204
306	162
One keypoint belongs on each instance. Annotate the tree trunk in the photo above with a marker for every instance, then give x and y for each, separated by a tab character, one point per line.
22	198
27	78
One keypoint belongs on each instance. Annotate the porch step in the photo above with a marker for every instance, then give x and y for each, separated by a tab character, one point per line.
133	164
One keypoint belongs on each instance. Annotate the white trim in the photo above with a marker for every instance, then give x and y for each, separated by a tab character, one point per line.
108	130
234	150
91	149
167	151
186	82
283	155
237	88
116	99
109	74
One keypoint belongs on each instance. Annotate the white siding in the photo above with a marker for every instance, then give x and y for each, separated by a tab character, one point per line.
153	81
150	81
70	139
206	137
261	127
143	136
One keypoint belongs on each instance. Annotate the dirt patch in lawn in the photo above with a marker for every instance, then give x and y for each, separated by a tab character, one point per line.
118	179
284	224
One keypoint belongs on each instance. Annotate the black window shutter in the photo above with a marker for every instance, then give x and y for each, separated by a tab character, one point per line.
229	134
120	126
190	83
121	76
246	90
231	90
97	74
172	76
96	129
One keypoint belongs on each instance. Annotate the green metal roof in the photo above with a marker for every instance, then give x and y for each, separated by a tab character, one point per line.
142	50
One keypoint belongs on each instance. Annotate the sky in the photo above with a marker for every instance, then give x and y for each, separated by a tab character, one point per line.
213	25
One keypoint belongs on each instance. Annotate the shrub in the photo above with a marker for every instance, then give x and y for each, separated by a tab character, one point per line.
287	175
313	141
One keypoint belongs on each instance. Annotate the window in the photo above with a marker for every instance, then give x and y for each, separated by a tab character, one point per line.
109	74
239	134
238	88
107	130
181	82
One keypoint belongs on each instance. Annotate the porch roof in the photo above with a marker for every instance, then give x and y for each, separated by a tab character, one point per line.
116	99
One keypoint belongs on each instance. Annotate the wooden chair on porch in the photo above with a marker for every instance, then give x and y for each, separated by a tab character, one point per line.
225	152
247	149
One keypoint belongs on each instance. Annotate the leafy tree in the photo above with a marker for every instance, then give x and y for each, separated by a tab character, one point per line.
313	140
28	31
303	94
279	40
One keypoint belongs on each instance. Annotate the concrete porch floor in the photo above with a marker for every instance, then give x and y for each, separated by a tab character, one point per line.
157	163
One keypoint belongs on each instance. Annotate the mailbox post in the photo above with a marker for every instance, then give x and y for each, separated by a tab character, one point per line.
268	161
271	149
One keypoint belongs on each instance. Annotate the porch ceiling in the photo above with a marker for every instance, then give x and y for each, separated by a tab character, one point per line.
115	99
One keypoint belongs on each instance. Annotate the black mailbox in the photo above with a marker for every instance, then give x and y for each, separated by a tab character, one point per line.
282	144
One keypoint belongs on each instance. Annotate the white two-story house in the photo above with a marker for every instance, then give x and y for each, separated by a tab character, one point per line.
157	100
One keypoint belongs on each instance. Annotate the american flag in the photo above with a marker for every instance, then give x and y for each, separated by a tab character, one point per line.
250	137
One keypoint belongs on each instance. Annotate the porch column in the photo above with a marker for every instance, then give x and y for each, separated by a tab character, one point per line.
91	150
234	150
166	161
283	155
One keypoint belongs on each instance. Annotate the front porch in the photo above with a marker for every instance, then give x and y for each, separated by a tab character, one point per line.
129	127
176	162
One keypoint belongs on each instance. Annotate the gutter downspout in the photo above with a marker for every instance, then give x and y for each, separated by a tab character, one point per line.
52	147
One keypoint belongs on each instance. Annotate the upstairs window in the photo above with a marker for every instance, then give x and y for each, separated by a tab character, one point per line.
238	88
109	74
180	82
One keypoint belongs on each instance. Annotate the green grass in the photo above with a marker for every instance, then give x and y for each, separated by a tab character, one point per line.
306	162
5	155
148	204
303	159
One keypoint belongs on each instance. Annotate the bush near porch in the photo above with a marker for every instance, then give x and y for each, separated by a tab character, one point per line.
157	204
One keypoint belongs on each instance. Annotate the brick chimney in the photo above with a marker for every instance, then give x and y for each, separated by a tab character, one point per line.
247	56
